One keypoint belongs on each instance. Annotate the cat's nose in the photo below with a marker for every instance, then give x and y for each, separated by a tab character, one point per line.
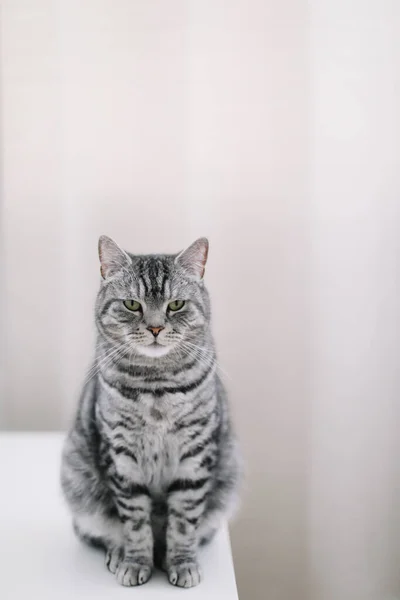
155	330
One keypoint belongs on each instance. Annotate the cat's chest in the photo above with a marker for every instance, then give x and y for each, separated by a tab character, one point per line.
151	444
157	456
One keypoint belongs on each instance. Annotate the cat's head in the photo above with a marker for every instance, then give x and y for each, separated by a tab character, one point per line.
154	305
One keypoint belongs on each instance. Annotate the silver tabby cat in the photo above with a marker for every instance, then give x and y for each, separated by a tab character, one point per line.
150	465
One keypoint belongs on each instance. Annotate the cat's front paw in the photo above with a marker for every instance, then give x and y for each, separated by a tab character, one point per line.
129	574
187	575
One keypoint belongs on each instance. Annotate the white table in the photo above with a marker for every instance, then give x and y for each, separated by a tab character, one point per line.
40	556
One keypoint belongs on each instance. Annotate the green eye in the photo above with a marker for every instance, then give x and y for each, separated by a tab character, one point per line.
176	305
132	305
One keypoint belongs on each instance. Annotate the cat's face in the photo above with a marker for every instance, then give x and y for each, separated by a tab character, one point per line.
152	305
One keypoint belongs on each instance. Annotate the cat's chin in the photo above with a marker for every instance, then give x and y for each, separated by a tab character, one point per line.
153	350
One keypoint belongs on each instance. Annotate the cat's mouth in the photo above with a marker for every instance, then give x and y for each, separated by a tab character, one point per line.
154	350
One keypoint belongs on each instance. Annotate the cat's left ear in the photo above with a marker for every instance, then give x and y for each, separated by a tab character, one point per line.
194	258
112	257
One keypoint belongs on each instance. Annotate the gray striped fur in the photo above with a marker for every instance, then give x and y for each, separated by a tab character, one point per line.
150	465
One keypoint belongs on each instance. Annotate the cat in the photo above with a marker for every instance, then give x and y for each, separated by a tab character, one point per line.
150	465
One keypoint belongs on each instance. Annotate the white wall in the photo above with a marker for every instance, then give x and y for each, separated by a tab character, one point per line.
355	448
272	127
31	213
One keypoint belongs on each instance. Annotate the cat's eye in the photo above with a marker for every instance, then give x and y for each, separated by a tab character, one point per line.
133	305
176	305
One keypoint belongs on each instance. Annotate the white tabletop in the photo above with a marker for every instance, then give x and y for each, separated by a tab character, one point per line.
39	554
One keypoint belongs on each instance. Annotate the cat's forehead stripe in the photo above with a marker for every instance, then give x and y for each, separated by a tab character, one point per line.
165	276
154	272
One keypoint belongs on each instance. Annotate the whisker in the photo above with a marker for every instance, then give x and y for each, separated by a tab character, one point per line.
99	359
115	354
206	356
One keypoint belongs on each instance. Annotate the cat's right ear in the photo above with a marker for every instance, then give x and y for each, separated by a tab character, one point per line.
112	257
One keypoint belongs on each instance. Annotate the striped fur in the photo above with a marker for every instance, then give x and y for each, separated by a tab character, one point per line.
150	465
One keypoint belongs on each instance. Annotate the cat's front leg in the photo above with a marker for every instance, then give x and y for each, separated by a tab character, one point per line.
186	504
134	507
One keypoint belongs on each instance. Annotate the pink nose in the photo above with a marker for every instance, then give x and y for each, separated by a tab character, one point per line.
155	330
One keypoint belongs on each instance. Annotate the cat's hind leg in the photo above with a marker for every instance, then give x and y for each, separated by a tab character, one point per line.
95	518
102	531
